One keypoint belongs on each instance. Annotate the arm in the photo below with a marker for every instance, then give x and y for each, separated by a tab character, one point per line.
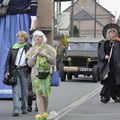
116	39
51	55
8	61
7	65
31	57
101	52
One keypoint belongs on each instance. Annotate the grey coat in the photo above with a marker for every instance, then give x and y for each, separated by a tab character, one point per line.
31	58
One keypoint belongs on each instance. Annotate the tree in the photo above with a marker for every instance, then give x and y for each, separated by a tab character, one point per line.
76	32
64	39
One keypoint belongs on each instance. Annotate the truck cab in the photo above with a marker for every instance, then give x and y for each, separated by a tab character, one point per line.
80	58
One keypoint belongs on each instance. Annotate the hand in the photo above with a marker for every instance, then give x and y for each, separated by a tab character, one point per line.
37	51
7	75
43	53
107	56
116	39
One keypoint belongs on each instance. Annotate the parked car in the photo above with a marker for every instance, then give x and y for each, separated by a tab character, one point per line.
80	58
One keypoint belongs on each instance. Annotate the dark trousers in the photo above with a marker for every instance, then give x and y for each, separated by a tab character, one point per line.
110	89
30	100
30	96
108	92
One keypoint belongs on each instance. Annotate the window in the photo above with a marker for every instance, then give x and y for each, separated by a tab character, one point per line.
83	46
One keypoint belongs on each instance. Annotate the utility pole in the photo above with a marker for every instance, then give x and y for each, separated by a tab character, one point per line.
71	19
95	19
58	11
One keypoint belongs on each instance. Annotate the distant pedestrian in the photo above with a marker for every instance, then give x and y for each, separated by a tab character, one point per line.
60	54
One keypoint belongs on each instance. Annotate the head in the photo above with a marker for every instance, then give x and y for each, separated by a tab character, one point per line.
22	36
111	31
39	38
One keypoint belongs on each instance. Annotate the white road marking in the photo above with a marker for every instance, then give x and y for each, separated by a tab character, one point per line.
75	104
94	114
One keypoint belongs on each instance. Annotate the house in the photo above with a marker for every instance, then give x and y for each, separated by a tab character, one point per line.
63	23
90	18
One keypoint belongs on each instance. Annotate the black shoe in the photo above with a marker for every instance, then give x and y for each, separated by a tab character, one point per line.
15	114
24	112
104	100
36	109
117	100
29	109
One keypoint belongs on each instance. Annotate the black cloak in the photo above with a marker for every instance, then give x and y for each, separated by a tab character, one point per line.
103	66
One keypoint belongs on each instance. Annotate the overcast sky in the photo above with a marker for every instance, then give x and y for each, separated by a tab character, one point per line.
110	5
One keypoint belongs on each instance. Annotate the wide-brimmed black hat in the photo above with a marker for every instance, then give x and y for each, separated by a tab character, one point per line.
108	26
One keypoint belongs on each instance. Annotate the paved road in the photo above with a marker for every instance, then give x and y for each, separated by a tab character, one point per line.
93	109
73	100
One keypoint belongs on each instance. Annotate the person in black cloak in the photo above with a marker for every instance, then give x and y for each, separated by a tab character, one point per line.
109	63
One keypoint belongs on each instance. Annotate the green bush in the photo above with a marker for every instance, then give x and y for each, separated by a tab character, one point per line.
76	32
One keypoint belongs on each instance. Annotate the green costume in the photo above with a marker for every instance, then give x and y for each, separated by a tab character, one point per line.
18	45
42	86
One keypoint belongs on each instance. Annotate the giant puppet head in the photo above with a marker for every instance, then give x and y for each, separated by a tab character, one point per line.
111	31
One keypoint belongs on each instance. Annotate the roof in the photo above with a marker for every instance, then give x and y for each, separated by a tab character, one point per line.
83	15
97	5
85	39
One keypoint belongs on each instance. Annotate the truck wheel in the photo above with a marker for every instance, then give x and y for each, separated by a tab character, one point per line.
76	75
63	76
95	73
69	76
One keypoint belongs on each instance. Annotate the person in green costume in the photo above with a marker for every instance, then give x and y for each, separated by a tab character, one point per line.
41	57
16	61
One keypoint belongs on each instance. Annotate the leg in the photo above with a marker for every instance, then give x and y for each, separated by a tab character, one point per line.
105	94
118	90
42	103
114	89
29	103
45	102
30	96
16	102
115	93
103	91
24	91
36	109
